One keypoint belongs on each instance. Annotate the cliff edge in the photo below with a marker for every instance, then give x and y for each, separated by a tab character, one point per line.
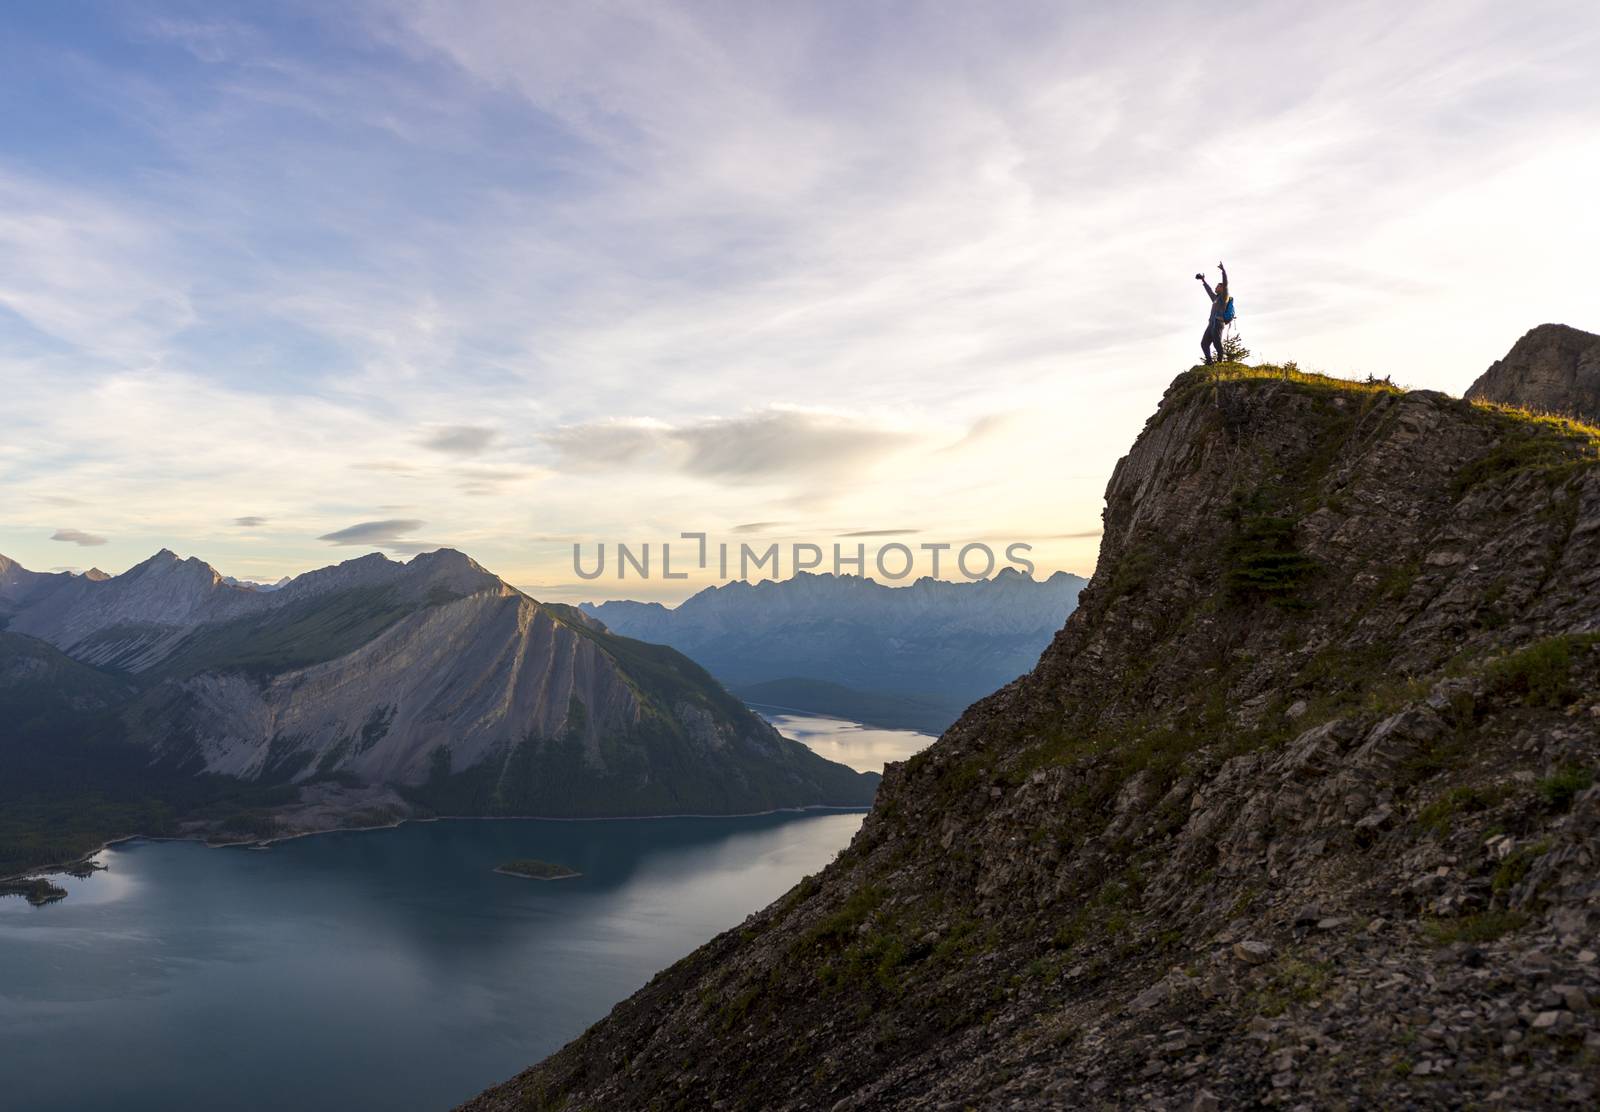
1295	810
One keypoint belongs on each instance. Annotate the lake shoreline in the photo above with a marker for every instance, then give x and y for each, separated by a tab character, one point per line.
395	970
216	840
86	861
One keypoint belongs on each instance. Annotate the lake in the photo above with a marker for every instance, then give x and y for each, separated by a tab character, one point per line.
863	748
389	969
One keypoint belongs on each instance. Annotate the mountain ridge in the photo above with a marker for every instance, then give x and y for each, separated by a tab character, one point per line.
433	680
937	643
1295	809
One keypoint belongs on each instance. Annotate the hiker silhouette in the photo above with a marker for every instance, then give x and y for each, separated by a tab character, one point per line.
1221	314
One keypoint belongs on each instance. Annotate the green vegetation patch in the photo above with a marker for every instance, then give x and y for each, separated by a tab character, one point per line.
36	890
1555	447
1263	562
1291	372
1559	789
295	636
1138	565
1197	381
857	947
1540	675
843	921
1440	815
1483	927
1514	869
1293	982
70	780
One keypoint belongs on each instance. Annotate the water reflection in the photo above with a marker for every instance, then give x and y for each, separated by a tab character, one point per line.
863	748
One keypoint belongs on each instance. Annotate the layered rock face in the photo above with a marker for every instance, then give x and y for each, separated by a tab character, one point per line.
432	680
1553	369
1296	810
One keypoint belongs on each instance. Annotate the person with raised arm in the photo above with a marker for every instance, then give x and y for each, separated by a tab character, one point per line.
1212	337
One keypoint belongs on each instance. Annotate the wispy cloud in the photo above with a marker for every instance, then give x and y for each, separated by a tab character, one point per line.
376	534
78	537
460	440
786	443
88	270
211	41
250	521
740	262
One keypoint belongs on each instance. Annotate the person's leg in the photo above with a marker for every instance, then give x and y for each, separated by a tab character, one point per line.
1205	343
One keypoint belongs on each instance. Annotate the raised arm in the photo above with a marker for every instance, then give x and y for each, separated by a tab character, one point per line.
1207	285
1224	273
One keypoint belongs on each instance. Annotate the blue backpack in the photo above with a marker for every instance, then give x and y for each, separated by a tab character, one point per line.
1227	312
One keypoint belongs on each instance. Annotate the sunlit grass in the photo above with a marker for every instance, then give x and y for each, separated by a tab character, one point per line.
1291	372
1533	438
1555	422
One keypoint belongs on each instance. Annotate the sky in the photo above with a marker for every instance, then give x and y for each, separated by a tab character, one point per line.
284	284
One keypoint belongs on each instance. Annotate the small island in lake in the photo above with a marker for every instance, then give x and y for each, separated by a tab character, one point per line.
36	890
536	870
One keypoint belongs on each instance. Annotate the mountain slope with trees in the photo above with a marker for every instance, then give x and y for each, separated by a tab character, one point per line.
167	700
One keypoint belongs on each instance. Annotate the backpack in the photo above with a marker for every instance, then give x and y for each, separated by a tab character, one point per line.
1227	312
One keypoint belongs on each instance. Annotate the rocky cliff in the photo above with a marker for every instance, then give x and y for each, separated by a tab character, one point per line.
1295	810
368	691
1553	369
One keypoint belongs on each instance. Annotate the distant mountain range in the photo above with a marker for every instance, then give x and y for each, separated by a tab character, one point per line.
912	656
232	582
366	691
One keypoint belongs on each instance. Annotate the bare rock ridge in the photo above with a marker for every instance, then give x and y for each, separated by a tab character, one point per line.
19	586
1296	810
1553	369
367	692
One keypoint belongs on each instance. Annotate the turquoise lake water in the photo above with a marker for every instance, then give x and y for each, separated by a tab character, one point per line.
389	969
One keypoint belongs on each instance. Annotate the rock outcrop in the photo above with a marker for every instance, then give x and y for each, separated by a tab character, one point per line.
1295	811
1553	369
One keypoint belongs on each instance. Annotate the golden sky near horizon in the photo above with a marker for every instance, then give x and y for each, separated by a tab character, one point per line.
500	276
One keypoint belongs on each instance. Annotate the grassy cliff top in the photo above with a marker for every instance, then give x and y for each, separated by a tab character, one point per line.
1553	423
1525	438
